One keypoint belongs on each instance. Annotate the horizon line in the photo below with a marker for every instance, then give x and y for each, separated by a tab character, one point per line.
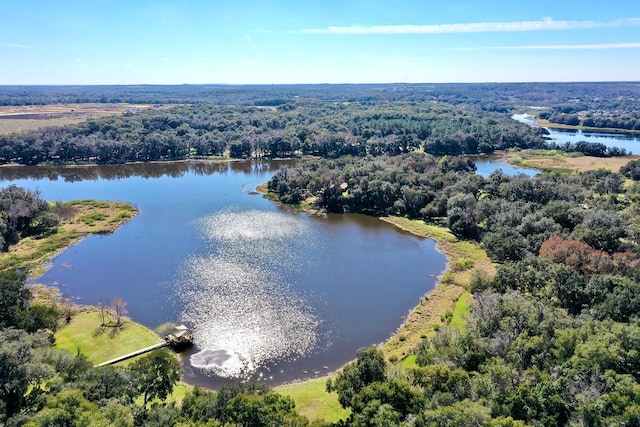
326	83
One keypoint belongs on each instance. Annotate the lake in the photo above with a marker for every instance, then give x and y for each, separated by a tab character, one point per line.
630	142
270	294
485	166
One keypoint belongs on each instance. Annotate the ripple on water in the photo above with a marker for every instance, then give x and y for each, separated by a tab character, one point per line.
242	312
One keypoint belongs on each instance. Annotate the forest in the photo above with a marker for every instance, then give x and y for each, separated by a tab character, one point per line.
317	120
552	338
290	130
500	97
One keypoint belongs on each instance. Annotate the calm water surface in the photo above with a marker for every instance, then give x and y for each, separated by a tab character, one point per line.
485	166
630	142
270	294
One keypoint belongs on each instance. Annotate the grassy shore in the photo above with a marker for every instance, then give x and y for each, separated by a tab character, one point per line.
84	217
86	334
313	401
437	309
448	304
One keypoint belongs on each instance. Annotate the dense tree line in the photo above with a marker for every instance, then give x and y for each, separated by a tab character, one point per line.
624	120
593	149
500	97
317	129
511	216
553	337
24	214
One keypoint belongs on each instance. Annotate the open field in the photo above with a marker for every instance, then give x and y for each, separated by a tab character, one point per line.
30	117
86	335
313	401
86	217
553	160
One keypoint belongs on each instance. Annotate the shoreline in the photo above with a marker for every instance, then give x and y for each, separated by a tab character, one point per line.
420	321
89	217
544	123
417	323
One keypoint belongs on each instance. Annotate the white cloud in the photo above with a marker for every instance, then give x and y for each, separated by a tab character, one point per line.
474	27
558	47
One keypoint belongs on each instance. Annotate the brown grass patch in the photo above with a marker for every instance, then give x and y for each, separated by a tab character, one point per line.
547	124
554	162
96	217
31	117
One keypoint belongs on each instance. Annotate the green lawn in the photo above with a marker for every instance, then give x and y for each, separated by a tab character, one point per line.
313	401
84	335
462	310
409	361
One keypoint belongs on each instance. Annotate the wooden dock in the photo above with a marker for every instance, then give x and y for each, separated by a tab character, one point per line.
178	340
134	354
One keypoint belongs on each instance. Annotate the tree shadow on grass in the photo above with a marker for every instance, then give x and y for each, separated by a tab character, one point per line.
112	330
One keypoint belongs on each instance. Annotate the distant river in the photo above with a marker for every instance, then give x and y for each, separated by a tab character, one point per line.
630	142
270	294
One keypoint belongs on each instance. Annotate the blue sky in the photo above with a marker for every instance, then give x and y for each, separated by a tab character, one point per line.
299	41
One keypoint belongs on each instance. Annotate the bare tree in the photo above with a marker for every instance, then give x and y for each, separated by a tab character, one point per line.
120	308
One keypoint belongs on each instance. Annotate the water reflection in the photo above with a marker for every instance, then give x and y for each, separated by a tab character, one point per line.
486	167
286	294
628	141
244	313
146	170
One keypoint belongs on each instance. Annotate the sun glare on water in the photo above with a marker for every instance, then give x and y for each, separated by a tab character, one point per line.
242	311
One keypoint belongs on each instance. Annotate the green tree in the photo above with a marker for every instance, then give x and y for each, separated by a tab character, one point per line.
465	413
20	373
69	408
14	298
200	405
368	368
631	170
398	396
264	410
107	382
461	215
155	375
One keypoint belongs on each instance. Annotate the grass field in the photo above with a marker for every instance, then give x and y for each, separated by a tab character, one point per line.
461	311
31	117
552	160
313	401
85	335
